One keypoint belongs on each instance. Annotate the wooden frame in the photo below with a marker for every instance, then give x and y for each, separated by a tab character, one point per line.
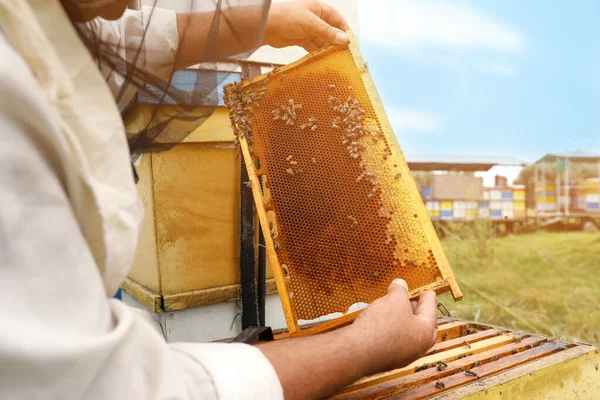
448	281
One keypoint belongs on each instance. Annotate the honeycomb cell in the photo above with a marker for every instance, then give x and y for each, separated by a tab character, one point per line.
343	203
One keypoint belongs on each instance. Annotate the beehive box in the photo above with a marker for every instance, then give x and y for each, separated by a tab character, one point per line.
340	211
479	361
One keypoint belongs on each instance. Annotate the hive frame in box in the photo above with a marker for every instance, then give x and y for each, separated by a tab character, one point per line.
447	282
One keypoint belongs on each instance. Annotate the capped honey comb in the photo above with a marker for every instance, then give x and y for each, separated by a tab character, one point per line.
338	207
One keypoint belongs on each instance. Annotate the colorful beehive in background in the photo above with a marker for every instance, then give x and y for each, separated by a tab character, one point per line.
501	203
545	197
588	195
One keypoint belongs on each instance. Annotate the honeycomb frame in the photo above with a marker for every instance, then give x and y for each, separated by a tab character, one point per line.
393	239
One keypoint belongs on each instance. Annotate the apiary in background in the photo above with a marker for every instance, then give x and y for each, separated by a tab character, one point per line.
501	203
342	215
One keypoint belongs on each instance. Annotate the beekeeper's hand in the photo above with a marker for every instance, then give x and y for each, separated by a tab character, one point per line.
404	330
310	24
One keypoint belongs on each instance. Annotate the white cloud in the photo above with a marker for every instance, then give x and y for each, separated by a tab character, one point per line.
413	121
411	24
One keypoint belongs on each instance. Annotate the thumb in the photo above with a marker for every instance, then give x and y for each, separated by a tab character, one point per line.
315	26
398	284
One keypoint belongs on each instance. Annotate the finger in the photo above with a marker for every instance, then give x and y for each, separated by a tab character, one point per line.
333	17
426	308
315	26
310	46
414	304
320	43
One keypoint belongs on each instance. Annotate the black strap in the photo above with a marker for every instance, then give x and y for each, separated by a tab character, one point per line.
254	333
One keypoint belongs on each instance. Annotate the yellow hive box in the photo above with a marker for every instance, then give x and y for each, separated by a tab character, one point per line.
188	249
343	215
519	195
446	205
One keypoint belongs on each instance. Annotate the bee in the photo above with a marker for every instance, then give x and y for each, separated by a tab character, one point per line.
333	125
299	171
289	158
294	162
345	142
466	344
332	86
515	351
441	365
440	385
385	155
495	358
397	176
314	128
303	126
374	190
517	339
283	77
359	178
528	346
422	367
470	373
376	274
355	156
361	165
271	225
276	245
461	356
369	195
353	220
272	234
290	171
414	264
313	160
248	184
477	364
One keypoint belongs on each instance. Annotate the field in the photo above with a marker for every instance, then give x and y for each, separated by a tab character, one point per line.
543	282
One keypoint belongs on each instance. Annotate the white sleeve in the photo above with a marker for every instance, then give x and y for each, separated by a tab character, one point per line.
61	337
155	30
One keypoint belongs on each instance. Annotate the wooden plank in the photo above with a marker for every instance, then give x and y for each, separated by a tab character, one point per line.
432	374
483	371
349	318
149	299
445	356
452	330
459	341
573	373
216	128
144	269
328	326
196	208
197	298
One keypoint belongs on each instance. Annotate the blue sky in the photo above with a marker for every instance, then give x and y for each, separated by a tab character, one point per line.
487	77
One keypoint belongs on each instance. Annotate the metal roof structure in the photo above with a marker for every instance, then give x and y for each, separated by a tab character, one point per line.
574	156
431	162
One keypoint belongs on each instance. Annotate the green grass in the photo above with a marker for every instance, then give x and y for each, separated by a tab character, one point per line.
543	282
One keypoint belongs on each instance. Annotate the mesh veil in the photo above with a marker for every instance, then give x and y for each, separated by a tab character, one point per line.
230	29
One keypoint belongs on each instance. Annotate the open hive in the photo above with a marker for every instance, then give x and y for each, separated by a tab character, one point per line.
480	361
338	207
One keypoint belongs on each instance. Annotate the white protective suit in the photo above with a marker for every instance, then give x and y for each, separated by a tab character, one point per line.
69	223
